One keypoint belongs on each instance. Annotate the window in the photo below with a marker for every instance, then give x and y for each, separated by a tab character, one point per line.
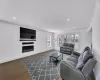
49	41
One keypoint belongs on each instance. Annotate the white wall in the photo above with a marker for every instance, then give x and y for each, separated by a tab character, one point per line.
11	47
85	40
96	38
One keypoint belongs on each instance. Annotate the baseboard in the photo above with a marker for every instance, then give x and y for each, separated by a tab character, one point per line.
18	58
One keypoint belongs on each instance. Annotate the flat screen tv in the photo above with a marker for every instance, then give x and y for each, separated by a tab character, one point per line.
27	34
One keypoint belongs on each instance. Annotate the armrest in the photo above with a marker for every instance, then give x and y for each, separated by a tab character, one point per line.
76	53
68	72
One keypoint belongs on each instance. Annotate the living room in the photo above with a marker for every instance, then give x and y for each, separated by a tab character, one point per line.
35	36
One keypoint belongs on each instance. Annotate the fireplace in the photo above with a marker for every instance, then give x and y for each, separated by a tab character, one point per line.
27	46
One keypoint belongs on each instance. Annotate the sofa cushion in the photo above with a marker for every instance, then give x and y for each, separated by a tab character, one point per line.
73	58
71	63
65	44
72	55
87	57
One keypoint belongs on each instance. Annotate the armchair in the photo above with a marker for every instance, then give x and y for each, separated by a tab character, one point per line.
68	72
67	48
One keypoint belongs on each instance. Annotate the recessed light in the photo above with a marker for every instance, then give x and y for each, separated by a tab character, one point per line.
1	16
74	27
14	17
68	19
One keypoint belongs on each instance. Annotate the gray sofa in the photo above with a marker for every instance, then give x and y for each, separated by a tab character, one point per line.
72	70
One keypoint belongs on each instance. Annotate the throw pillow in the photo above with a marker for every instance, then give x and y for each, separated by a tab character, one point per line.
80	63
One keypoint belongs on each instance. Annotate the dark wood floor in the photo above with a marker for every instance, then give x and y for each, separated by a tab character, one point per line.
13	70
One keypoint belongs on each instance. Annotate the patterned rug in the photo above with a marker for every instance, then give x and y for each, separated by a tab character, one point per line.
39	67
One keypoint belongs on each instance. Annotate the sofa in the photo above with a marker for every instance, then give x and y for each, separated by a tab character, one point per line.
67	48
78	66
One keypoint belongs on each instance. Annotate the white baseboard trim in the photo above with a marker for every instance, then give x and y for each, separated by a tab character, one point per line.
23	56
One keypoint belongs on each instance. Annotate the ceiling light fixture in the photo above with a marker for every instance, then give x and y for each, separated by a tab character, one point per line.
14	17
1	16
74	26
68	19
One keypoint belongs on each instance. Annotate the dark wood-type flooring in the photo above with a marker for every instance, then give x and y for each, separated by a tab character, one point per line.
13	70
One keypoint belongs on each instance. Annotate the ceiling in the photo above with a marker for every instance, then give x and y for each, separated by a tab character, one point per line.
51	15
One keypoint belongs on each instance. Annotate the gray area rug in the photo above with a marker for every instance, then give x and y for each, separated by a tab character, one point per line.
39	67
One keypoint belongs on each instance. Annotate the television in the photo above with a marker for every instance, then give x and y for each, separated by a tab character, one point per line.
27	34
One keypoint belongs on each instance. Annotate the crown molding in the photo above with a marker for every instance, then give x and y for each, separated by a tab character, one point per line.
22	25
